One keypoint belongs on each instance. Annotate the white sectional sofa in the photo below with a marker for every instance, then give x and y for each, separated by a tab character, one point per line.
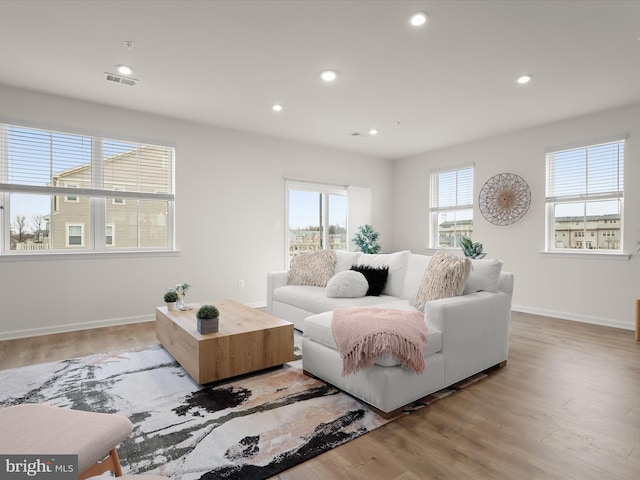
467	334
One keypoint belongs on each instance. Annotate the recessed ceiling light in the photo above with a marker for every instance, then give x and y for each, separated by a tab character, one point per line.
124	69
418	19
328	75
524	79
373	131
276	107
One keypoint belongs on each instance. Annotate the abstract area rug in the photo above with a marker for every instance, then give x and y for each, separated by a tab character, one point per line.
251	427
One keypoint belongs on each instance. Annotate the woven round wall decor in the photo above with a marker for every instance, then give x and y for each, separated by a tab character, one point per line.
504	199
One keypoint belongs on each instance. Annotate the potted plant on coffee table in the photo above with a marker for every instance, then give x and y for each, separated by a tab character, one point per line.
171	297
208	319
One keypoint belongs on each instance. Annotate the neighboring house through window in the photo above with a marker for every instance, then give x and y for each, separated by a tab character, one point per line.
316	217
451	206
584	196
66	182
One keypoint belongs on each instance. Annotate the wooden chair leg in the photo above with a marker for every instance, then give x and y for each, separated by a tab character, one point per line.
110	464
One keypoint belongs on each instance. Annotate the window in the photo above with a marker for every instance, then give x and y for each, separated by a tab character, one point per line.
451	207
118	201
584	195
75	235
57	193
317	218
109	240
71	198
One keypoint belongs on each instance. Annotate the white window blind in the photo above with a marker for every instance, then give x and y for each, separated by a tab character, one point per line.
452	189
40	161
587	173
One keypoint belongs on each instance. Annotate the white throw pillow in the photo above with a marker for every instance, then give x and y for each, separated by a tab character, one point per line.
484	275
415	272
347	284
344	260
397	263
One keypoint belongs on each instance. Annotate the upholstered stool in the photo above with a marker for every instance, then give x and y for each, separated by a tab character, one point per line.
38	429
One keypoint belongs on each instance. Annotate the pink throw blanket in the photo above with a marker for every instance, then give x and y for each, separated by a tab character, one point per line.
362	334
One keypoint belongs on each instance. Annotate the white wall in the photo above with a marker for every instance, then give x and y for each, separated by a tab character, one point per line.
595	290
229	195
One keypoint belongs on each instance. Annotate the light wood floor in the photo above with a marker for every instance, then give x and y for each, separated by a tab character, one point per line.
567	406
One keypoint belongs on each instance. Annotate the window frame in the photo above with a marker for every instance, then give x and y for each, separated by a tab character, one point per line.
113	235
72	198
551	201
325	190
95	193
67	234
119	200
435	210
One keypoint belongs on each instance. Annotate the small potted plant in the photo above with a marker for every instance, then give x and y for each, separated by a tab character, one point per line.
208	318
471	249
366	239
171	297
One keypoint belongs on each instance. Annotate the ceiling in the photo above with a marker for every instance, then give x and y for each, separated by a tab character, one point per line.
226	63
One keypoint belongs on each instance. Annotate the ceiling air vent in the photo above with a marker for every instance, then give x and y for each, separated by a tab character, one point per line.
112	77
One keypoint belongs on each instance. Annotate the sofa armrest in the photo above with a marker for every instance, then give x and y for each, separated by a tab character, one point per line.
475	331
275	280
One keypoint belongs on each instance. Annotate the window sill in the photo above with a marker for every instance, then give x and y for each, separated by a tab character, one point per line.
29	257
592	255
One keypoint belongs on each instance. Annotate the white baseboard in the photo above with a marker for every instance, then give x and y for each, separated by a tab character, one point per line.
52	329
112	322
607	322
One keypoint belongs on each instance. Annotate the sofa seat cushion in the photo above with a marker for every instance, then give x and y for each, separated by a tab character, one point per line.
315	300
318	328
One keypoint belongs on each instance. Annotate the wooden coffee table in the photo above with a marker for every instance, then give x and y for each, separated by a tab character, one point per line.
248	340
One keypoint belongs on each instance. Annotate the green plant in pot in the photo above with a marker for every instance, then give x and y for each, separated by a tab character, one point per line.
171	297
471	249
366	239
208	319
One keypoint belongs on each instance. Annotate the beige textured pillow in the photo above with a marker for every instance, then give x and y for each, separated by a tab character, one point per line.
445	277
314	269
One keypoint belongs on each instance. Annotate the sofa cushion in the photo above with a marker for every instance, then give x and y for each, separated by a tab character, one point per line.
376	278
344	260
318	328
315	300
347	284
314	268
397	263
416	266
484	275
445	277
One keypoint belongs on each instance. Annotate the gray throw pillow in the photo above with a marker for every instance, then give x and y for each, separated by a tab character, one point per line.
445	277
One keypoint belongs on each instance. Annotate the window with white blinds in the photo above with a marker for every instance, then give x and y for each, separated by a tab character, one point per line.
50	181
584	196
451	206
